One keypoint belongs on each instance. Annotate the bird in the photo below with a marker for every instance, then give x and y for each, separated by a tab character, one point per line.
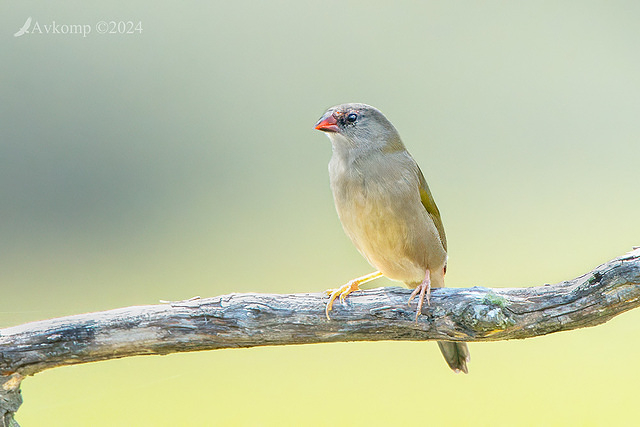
386	208
24	29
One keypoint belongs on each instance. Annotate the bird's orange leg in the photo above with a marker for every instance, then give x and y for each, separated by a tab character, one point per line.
422	288
347	288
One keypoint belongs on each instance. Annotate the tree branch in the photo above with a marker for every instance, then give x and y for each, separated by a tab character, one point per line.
248	320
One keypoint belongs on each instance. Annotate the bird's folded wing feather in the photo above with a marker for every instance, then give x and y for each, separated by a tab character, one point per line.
430	205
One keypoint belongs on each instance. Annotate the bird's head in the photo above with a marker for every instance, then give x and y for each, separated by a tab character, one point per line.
359	126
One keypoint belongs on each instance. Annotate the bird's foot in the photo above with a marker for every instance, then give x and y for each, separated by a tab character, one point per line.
349	287
424	289
341	292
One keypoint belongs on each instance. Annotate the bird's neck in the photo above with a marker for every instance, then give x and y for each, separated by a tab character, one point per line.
352	150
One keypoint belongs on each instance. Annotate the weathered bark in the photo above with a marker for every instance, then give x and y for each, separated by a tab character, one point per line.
247	320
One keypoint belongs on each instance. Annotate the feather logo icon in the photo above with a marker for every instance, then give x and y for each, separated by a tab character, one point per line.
24	29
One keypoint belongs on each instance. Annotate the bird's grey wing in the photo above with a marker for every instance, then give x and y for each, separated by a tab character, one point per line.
430	205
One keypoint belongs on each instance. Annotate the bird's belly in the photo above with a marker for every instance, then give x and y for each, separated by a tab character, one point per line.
393	242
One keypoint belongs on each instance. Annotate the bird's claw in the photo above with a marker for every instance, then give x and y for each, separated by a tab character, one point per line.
423	289
342	292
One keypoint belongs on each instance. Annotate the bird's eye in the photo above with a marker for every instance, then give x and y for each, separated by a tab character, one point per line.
352	117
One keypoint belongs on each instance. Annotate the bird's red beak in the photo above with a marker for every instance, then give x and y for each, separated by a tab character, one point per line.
328	124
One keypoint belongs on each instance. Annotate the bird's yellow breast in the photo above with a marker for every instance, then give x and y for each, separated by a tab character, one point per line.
381	212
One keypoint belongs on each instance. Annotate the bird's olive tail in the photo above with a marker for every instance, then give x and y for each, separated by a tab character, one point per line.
456	354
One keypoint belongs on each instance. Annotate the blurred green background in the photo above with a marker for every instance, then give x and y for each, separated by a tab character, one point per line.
182	161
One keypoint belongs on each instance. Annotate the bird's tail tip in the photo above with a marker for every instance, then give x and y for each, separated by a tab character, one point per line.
456	354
